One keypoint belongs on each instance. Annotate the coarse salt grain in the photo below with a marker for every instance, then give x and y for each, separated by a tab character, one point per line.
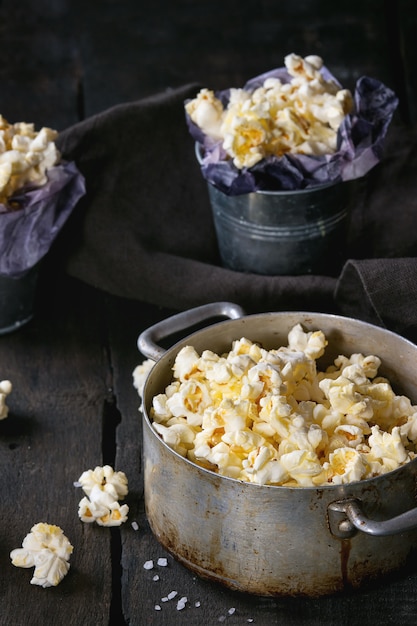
172	595
162	562
181	603
156	577
157	607
148	565
231	611
135	526
197	604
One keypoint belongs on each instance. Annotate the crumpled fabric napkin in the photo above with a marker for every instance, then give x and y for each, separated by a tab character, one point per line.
382	292
144	228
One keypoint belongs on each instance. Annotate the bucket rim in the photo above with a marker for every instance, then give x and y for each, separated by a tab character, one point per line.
277	192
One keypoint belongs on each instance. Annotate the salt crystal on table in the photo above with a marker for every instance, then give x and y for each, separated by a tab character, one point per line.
148	565
181	603
162	562
172	595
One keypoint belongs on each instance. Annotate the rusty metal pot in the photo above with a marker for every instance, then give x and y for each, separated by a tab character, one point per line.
269	540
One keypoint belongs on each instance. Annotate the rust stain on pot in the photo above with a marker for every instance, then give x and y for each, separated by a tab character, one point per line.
345	548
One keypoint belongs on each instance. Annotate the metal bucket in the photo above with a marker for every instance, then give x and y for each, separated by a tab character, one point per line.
283	232
17	298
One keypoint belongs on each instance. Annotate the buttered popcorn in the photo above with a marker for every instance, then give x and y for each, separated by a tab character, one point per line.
103	488
271	417
5	390
301	116
48	550
25	155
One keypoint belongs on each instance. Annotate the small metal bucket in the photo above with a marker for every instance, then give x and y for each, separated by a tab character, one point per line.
17	298
283	232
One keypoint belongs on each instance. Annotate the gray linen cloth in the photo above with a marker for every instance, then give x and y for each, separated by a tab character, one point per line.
144	228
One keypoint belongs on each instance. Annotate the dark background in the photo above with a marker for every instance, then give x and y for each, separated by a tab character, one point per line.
65	60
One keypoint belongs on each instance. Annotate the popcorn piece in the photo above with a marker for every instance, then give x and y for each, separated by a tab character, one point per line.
140	374
25	156
271	417
5	390
347	465
106	479
48	550
299	116
206	112
104	487
102	508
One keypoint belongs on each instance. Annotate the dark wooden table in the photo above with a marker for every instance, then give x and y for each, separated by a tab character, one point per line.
74	405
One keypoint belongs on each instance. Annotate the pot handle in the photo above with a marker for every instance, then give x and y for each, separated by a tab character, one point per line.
346	518
149	338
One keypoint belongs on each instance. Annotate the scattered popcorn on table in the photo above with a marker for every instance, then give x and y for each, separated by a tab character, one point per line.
273	418
106	479
302	116
48	550
140	374
5	390
25	155
104	487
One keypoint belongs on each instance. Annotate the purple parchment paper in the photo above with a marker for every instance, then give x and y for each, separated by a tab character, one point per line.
27	232
359	145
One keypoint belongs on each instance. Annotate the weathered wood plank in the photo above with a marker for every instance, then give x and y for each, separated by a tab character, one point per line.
40	72
129	50
53	433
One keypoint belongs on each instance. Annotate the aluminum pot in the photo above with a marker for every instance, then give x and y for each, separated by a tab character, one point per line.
269	540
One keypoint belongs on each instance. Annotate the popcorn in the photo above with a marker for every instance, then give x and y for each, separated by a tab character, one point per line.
105	479
25	156
104	487
301	116
140	374
48	550
272	417
5	390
